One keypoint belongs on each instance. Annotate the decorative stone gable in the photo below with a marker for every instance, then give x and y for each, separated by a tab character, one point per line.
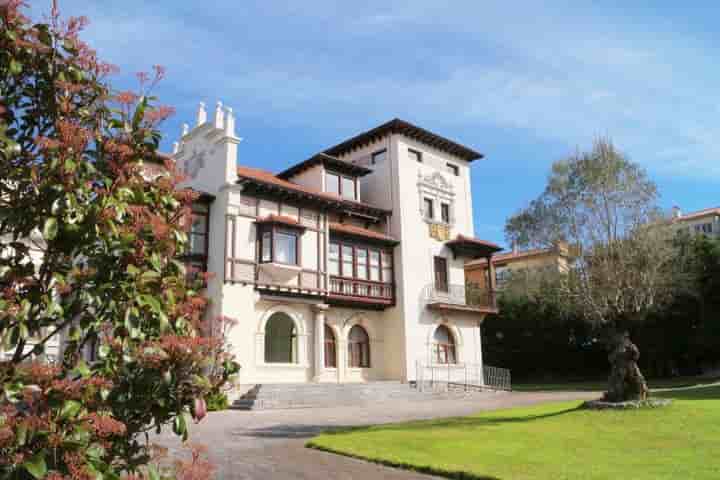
438	189
207	153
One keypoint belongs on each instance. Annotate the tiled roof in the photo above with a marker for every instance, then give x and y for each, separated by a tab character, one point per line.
699	214
510	256
471	247
409	130
330	162
472	240
280	219
266	177
360	232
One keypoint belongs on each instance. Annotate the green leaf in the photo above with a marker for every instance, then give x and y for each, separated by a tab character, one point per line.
50	229
82	369
15	67
95	451
153	473
21	434
180	426
36	465
70	409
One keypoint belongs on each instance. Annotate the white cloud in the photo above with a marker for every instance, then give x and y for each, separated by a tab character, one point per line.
560	73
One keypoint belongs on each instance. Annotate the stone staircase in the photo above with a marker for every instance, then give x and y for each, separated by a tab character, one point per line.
309	395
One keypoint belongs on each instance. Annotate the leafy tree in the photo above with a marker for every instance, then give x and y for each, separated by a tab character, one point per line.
604	206
89	236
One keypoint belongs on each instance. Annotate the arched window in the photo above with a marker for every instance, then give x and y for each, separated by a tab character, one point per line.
330	350
443	345
359	347
280	339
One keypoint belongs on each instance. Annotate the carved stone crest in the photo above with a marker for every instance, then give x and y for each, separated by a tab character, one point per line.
195	162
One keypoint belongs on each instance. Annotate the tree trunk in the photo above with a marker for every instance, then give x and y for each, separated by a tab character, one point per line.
626	382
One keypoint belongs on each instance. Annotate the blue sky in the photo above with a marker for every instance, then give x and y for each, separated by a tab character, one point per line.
526	83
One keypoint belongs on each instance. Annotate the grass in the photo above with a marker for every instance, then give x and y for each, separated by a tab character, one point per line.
601	384
552	441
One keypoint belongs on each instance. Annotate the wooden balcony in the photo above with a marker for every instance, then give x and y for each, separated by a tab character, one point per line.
366	293
460	298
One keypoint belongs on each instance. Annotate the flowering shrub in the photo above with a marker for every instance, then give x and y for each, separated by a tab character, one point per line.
91	226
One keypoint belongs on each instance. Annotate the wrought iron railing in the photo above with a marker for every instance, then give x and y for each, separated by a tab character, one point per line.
463	375
361	288
467	295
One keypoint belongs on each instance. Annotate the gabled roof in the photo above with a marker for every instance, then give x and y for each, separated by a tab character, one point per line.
354	231
330	162
409	130
266	182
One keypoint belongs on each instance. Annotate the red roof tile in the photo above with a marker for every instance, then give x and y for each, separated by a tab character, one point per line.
699	214
511	256
472	240
280	219
359	231
264	176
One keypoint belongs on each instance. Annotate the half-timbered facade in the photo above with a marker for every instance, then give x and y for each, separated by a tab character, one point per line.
345	267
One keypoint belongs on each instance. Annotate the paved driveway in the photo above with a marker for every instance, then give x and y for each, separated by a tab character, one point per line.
270	444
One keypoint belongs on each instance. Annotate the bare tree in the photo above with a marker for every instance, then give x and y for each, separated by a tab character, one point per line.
604	206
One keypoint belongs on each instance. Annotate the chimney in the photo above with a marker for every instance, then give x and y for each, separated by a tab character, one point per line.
676	212
514	247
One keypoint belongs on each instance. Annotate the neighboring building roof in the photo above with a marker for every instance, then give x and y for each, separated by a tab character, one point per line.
409	130
330	162
273	183
352	230
511	256
472	247
699	214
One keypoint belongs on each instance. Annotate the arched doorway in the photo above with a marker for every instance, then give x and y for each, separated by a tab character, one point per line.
444	346
330	348
280	339
358	348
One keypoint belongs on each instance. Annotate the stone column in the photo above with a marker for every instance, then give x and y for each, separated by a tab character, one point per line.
319	340
491	282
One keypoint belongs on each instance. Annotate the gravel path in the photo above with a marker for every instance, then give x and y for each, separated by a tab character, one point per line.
270	444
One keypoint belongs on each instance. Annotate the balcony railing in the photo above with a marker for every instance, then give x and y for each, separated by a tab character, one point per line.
460	295
351	287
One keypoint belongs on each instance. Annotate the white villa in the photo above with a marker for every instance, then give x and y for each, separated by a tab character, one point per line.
346	267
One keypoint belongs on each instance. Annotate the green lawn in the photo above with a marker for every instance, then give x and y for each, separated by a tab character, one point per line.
554	441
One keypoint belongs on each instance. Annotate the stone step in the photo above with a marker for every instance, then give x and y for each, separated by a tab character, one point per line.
299	395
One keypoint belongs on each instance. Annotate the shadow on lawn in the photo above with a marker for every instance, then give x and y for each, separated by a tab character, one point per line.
452	422
710	392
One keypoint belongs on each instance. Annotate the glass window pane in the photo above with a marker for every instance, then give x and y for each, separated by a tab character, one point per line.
334	259
332	183
348	188
197	244
361	264
445	212
374	266
347	261
266	247
429	208
285	248
199	224
374	258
